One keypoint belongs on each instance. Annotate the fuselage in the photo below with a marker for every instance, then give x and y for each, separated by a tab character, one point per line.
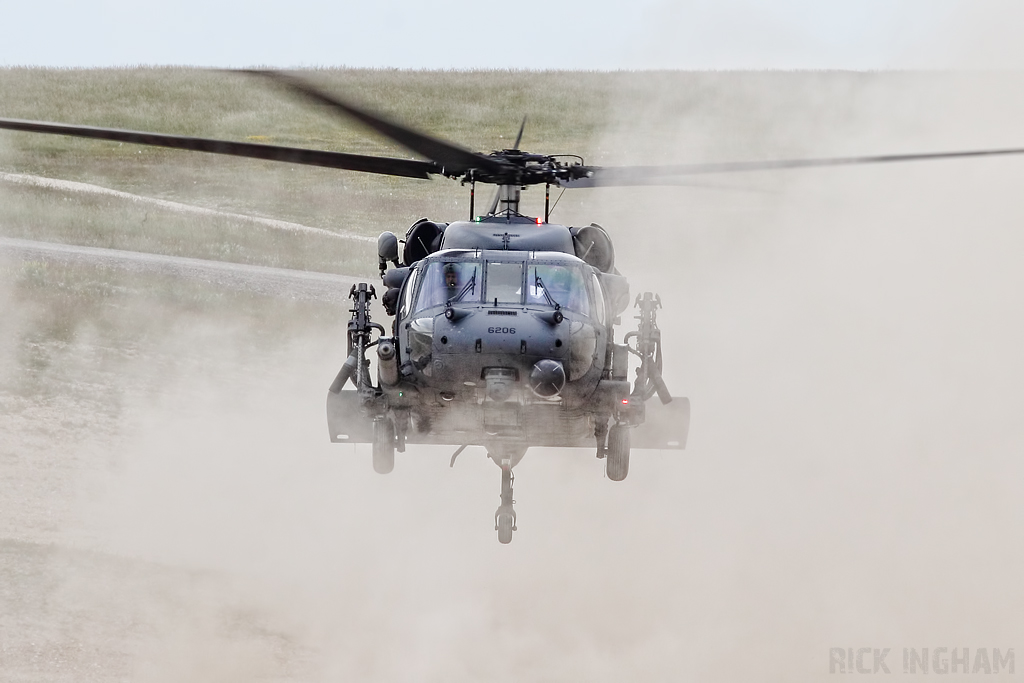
500	326
475	323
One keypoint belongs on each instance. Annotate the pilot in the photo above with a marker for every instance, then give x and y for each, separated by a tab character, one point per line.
451	279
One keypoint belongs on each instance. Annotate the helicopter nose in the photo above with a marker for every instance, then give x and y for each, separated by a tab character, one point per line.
547	378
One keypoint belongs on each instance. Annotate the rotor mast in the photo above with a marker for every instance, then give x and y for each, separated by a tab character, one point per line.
508	200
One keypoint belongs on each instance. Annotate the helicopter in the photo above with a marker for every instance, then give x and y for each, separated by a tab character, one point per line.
503	330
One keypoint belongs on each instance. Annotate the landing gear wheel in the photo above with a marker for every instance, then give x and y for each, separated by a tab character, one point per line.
505	527
383	445
618	452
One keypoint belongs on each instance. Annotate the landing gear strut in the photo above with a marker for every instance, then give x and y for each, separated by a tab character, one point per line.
505	515
506	457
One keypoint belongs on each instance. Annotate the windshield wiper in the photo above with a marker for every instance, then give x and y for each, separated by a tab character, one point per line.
470	288
537	282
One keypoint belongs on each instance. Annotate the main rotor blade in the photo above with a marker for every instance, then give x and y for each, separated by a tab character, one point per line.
669	175
454	159
519	137
408	168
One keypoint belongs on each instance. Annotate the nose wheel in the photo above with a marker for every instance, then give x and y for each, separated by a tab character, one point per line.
505	515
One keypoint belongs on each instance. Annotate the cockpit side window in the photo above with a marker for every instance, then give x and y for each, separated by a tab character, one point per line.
445	281
408	291
600	307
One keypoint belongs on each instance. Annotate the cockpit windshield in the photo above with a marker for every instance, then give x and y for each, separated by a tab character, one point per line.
469	281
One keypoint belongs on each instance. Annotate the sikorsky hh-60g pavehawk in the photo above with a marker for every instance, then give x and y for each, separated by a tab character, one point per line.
503	327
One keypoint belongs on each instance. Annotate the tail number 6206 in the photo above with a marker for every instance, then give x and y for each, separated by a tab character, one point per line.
501	330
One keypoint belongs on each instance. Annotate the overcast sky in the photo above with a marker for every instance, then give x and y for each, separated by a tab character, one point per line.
530	34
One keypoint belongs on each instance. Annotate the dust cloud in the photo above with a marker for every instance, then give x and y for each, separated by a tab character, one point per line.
850	341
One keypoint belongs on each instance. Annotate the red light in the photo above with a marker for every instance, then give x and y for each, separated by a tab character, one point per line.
539	221
625	401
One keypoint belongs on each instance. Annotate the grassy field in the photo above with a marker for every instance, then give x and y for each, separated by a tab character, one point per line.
609	118
479	110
